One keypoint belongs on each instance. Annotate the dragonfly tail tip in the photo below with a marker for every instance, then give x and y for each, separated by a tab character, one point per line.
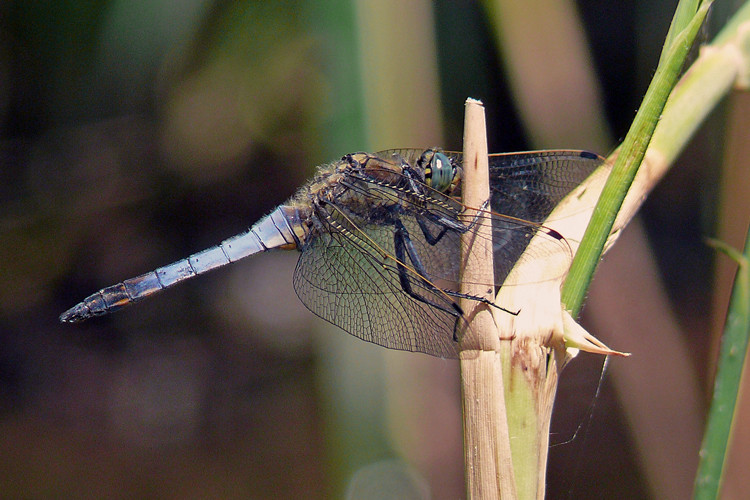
75	314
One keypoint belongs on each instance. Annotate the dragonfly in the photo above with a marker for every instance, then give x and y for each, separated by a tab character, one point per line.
379	238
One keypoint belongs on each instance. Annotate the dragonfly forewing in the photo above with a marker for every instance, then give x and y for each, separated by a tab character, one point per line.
360	291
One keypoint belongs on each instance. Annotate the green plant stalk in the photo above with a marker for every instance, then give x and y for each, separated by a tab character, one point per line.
528	443
700	90
683	14
727	384
721	66
626	166
709	79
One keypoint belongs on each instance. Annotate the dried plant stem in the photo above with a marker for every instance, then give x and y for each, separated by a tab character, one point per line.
489	468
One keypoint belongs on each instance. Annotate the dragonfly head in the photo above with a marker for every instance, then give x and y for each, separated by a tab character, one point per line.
439	172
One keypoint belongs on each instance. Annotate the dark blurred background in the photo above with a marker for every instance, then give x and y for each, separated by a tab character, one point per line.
133	133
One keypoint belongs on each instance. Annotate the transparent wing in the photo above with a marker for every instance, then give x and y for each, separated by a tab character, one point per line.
349	275
530	185
353	286
525	188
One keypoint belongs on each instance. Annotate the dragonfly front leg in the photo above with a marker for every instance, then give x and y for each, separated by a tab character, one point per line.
446	224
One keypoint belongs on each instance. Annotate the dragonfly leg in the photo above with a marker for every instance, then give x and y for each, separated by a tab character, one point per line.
431	239
475	219
483	300
416	261
446	224
404	247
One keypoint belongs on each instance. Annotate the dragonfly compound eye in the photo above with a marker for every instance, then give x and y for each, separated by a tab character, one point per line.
439	172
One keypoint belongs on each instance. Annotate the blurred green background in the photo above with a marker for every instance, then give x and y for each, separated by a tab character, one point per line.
134	133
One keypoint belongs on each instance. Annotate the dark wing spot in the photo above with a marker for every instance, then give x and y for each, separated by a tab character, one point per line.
554	234
589	155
